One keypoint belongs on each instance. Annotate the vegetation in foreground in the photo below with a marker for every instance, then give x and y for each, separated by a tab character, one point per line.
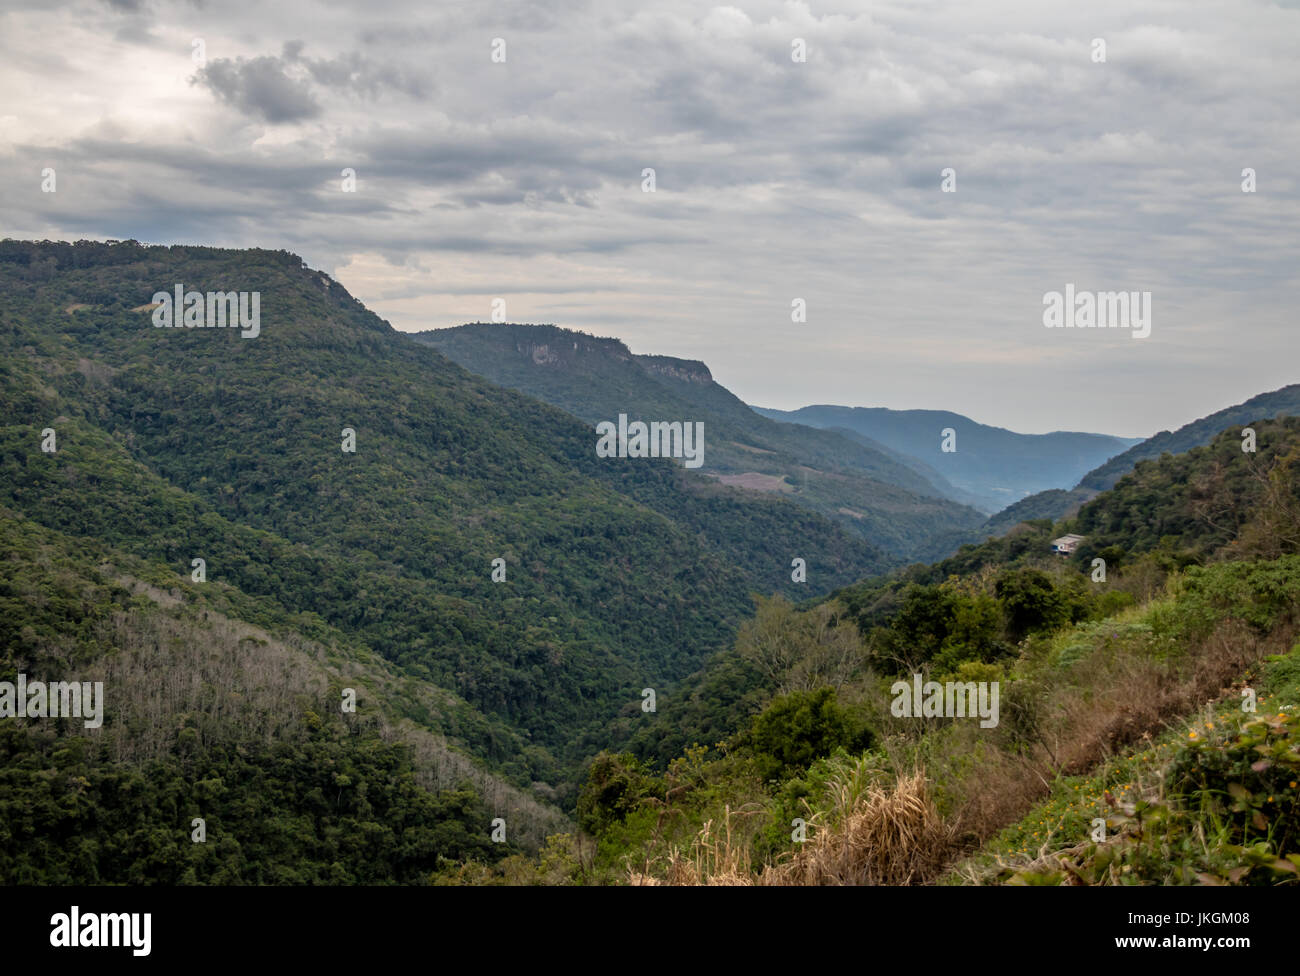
1104	713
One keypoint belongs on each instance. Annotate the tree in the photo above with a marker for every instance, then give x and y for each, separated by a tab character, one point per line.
1030	602
798	728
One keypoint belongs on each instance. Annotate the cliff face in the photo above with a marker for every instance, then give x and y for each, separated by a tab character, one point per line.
547	345
564	349
686	370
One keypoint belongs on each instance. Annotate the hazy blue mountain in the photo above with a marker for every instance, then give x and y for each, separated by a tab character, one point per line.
997	466
1056	504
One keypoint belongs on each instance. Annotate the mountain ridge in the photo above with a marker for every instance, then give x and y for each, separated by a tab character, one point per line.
985	459
181	443
1282	402
861	486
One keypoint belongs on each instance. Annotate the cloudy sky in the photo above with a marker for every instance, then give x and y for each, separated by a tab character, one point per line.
776	179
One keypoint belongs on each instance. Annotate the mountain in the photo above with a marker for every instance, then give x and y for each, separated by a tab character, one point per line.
183	528
1212	503
1052	504
945	487
1278	403
1056	504
862	486
212	721
176	444
997	466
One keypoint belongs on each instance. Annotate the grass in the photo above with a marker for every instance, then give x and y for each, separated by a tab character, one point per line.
1159	831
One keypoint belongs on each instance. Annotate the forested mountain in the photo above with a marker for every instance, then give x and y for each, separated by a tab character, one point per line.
1279	403
864	487
1055	504
1052	504
216	724
176	444
995	465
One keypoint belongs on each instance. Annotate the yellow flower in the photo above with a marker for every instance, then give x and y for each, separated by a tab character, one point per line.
1191	735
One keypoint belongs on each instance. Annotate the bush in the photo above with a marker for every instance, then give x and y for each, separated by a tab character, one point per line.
803	726
615	787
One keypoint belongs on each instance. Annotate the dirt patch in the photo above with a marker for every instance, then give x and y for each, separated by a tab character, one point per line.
95	372
755	481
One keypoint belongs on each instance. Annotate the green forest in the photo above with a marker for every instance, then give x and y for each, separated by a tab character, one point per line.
861	486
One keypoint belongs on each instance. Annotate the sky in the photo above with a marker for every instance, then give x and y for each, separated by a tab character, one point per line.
500	150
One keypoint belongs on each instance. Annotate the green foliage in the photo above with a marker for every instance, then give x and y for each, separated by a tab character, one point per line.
938	624
177	443
616	785
1248	783
1193	505
795	729
1031	602
335	808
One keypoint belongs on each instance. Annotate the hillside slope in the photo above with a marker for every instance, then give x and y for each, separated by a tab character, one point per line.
1056	504
863	488
799	725
177	444
206	716
1265	406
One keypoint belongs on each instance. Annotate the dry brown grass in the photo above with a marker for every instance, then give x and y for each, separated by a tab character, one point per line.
1110	704
883	835
873	834
717	857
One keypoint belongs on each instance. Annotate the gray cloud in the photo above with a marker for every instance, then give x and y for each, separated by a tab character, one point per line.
775	179
283	89
260	87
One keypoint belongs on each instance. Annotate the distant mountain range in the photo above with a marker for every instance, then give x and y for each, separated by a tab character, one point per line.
993	466
1056	504
887	498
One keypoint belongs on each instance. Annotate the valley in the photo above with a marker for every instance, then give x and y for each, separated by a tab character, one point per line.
459	612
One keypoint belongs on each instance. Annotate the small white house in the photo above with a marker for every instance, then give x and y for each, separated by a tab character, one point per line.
1066	544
